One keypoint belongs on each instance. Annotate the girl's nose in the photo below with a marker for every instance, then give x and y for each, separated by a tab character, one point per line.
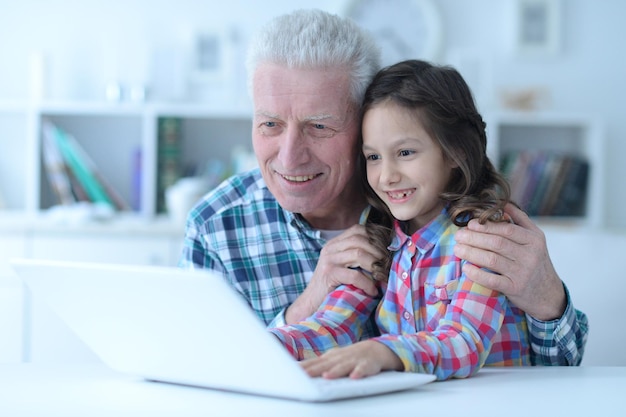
389	173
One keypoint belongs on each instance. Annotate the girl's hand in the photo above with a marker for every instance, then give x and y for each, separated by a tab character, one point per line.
341	261
355	361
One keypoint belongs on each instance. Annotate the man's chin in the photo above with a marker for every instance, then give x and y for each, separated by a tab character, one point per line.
300	205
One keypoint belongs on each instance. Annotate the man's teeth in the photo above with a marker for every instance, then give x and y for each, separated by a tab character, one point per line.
299	178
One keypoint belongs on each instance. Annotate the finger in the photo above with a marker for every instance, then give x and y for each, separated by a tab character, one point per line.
339	369
491	228
312	367
483	247
354	239
361	371
360	255
326	366
353	257
475	235
350	276
493	281
365	283
483	251
519	216
515	232
362	258
527	230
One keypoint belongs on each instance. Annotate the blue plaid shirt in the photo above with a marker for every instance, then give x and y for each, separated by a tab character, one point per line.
269	254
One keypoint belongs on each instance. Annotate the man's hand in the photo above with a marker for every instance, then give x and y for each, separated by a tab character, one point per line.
337	265
519	254
355	361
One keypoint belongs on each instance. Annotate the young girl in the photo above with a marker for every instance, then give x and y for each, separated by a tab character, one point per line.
424	155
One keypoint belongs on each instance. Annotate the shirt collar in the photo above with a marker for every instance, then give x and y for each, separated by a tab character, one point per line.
423	239
299	223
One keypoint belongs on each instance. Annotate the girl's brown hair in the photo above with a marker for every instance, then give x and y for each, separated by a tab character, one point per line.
443	103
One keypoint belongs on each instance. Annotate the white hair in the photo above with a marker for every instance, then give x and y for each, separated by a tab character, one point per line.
312	39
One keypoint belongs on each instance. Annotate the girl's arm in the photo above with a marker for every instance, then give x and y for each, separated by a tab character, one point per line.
340	321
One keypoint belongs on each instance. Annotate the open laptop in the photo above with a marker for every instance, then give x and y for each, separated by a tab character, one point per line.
186	327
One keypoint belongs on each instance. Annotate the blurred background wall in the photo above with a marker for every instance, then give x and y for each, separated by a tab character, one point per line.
79	47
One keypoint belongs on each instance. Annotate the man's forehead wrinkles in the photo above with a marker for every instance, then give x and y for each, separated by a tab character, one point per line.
268	114
312	118
317	117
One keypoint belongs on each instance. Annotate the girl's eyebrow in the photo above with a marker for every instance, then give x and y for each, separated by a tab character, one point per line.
401	142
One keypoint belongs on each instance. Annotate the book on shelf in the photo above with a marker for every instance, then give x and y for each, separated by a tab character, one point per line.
113	196
136	189
557	182
57	171
72	173
548	173
573	194
516	174
168	157
547	183
77	188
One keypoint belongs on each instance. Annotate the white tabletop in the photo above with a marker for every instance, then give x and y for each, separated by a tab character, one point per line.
93	390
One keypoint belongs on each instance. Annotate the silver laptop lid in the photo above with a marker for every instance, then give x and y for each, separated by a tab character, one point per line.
167	324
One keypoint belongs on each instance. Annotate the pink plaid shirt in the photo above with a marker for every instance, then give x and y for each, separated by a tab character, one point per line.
435	319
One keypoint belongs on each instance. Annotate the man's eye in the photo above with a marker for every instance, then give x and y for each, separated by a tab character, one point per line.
319	131
269	124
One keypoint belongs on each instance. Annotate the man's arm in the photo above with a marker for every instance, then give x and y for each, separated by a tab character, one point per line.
517	254
559	342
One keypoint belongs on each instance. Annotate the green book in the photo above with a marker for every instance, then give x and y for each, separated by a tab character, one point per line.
168	157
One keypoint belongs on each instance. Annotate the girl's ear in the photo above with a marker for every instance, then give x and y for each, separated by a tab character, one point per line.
452	163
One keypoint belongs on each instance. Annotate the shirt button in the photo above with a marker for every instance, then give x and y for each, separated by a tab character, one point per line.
410	243
407	315
405	275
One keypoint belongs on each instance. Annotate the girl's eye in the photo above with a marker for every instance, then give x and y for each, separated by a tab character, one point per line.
406	152
372	157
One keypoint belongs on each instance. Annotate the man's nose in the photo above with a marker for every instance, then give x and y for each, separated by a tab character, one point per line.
293	151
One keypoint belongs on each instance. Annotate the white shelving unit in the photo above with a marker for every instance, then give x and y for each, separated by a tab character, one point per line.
111	133
16	154
573	134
